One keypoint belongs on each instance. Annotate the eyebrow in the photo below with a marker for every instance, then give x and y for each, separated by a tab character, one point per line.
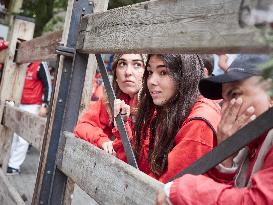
135	60
159	66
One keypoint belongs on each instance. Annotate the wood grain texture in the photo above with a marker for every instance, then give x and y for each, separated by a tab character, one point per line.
41	48
99	6
27	125
103	177
8	194
12	80
3	55
171	26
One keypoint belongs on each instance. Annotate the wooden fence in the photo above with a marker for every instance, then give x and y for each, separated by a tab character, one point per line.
188	26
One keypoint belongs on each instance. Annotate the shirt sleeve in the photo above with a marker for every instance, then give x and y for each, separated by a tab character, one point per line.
44	76
93	126
193	140
197	190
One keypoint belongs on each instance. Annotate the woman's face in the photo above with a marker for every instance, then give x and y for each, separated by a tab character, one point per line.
161	85
129	72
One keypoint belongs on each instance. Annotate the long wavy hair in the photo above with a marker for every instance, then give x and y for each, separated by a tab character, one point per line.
163	122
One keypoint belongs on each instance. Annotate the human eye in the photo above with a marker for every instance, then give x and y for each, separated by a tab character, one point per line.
138	65
163	72
235	94
149	72
122	64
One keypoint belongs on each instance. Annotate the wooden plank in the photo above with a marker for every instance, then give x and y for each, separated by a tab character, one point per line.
3	55
41	48
164	26
8	194
27	125
12	80
103	177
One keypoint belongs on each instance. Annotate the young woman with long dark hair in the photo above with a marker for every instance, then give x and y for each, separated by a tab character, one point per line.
175	125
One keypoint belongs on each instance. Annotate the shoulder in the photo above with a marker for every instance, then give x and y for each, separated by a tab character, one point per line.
206	110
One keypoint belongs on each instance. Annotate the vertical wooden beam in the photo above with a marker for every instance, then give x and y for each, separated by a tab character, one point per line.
51	183
92	65
13	79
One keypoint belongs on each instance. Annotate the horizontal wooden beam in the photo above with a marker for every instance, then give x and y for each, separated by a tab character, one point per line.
102	176
8	194
40	48
3	55
164	26
27	125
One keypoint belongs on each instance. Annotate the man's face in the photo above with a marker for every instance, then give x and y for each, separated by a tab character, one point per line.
252	91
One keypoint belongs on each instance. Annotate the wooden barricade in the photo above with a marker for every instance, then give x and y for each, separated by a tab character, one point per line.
184	27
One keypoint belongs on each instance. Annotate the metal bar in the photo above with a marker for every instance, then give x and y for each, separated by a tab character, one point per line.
120	124
232	145
66	51
54	181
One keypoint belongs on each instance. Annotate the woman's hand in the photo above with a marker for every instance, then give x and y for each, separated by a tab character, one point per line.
108	147
232	120
121	107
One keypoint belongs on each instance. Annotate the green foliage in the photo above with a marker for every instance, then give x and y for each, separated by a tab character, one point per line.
118	3
49	14
268	38
42	11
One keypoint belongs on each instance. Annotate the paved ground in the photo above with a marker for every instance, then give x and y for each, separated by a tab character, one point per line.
24	183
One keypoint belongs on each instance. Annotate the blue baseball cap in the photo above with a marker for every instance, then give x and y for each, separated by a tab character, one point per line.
243	67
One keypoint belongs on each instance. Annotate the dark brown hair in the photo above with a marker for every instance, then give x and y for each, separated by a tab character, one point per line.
186	70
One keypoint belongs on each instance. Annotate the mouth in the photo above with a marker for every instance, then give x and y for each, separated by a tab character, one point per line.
128	81
155	94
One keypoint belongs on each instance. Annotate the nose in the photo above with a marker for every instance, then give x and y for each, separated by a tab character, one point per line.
129	70
153	79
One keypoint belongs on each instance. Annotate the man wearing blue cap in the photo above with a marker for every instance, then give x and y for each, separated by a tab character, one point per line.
246	178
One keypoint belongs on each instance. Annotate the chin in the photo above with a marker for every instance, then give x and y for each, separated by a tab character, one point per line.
157	102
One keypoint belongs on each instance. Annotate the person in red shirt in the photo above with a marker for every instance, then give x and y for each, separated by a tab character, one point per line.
246	178
35	99
175	125
95	126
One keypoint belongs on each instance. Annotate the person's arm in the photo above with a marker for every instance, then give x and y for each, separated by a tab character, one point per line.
193	140
93	126
44	76
204	190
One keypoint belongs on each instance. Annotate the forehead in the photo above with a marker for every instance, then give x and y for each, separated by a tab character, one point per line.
243	84
130	57
155	60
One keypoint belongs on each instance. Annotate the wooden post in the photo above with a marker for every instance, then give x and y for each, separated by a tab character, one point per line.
13	79
51	139
92	65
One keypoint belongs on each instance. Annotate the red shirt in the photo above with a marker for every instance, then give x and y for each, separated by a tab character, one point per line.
33	87
197	190
193	140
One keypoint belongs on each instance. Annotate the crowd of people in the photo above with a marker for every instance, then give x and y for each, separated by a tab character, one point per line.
176	109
